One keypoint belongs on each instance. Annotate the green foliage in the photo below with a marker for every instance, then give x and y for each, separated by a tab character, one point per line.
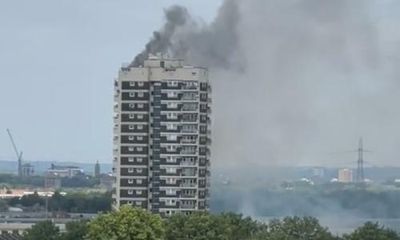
73	202
75	230
79	181
81	202
126	224
372	231
13	180
45	230
296	228
204	226
137	224
38	181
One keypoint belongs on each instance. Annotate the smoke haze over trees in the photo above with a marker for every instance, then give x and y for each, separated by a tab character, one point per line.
294	80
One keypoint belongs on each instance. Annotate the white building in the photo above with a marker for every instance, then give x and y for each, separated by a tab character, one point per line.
345	175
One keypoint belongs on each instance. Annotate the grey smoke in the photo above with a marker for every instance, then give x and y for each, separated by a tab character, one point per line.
161	41
294	80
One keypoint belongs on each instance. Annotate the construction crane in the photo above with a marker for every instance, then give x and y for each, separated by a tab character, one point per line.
19	154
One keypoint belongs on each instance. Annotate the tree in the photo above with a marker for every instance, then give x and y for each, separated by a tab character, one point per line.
126	224
372	231
197	226
45	230
238	227
75	230
204	226
296	228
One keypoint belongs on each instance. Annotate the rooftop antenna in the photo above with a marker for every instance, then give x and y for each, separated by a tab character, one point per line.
19	154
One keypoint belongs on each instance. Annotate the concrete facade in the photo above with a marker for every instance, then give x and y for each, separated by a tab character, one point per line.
162	137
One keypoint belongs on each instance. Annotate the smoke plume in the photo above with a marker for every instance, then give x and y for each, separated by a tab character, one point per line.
294	80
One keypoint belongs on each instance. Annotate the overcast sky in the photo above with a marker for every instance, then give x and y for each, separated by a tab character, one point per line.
313	76
58	60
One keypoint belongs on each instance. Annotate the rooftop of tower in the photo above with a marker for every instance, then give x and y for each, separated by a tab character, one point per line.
161	61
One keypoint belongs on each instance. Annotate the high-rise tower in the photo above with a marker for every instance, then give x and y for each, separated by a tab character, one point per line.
162	137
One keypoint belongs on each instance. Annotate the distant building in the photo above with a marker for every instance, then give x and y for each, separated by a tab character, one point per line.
52	181
318	172
97	169
106	181
64	171
345	175
162	137
27	170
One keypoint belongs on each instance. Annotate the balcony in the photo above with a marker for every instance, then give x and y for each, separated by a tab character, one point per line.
189	97
189	86
188	141
188	185
187	195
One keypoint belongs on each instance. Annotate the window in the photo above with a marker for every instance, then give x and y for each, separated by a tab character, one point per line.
172	83
139	159
139	170
131	116
139	192
170	170
172	116
138	203
171	147
140	116
132	84
172	105
131	94
139	149
140	94
130	170
130	202
139	181
170	191
130	138
140	138
140	84
130	192
131	127
140	105
172	137
131	149
171	126
171	159
130	159
131	105
172	94
130	181
170	180
139	127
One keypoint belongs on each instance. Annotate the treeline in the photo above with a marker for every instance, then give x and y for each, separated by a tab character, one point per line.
132	223
72	202
319	202
13	180
80	181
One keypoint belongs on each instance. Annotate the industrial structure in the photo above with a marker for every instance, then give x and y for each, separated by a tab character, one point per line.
24	170
162	136
97	170
360	178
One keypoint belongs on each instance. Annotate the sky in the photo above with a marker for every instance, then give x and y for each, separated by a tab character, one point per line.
58	60
295	82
